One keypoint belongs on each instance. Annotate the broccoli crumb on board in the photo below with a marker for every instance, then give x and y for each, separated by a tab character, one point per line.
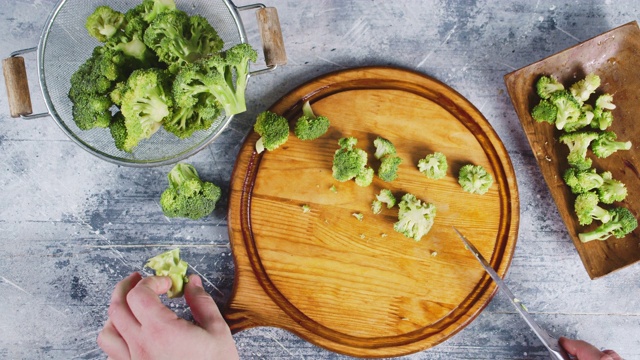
333	189
305	208
358	216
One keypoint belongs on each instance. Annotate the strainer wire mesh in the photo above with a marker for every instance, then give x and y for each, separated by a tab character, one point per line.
65	45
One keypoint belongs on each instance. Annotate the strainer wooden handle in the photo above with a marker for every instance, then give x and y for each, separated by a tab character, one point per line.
272	42
15	77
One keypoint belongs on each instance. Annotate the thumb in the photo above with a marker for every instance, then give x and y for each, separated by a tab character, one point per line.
204	309
581	349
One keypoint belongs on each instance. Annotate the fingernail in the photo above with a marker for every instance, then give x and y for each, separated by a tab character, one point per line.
195	279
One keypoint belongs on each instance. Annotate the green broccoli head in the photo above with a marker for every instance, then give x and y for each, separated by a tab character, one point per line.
474	179
434	166
388	170
348	161
545	111
383	147
611	189
569	109
578	144
273	129
415	218
386	196
547	85
622	223
365	176
187	195
104	22
582	90
309	126
169	264
587	209
605	144
581	181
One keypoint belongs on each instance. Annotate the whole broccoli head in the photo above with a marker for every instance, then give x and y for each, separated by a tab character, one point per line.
622	223
434	165
605	144
545	111
169	264
388	170
348	161
309	126
474	179
383	147
547	85
581	181
415	218
187	195
104	22
273	129
582	90
578	144
587	209
611	189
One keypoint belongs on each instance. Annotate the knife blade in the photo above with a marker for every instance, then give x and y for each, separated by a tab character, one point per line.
556	351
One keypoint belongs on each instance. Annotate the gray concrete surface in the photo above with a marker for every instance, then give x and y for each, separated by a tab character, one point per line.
71	226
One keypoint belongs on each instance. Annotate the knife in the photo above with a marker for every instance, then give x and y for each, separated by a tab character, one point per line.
557	352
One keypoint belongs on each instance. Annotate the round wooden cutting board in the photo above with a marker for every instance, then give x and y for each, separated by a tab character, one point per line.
358	287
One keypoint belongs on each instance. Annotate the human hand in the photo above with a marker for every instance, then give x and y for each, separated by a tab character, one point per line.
584	351
141	327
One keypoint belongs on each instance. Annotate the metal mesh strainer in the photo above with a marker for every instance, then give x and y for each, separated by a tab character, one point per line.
65	45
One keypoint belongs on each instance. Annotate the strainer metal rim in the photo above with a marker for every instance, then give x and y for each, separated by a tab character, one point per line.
40	51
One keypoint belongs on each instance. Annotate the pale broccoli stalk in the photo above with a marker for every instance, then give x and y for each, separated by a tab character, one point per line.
309	126
169	264
273	130
581	181
606	144
578	143
611	190
547	85
348	161
434	166
587	209
474	179
622	223
569	109
545	111
415	218
383	147
583	89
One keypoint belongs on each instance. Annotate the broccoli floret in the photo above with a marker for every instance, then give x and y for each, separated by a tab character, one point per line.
119	132
376	206
474	179
187	195
388	170
611	189
169	264
104	22
602	119
547	85
383	147
348	161
434	166
569	109
545	111
179	39
92	111
578	143
273	130
587	209
583	89
365	177
386	196
415	218
622	223
150	9
581	181
585	119
606	144
605	102
187	120
309	126
146	104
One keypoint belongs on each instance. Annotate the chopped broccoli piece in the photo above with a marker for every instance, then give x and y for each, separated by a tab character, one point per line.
569	109
606	144
358	216
388	170
309	126
150	9
578	143
104	22
585	119
348	161
333	189
187	195
386	196
622	223
364	177
581	181
383	147
434	166
376	206
169	264
582	90
611	189
587	209
547	85
273	129
415	218
118	131
602	119
305	208
474	179
545	111
605	101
